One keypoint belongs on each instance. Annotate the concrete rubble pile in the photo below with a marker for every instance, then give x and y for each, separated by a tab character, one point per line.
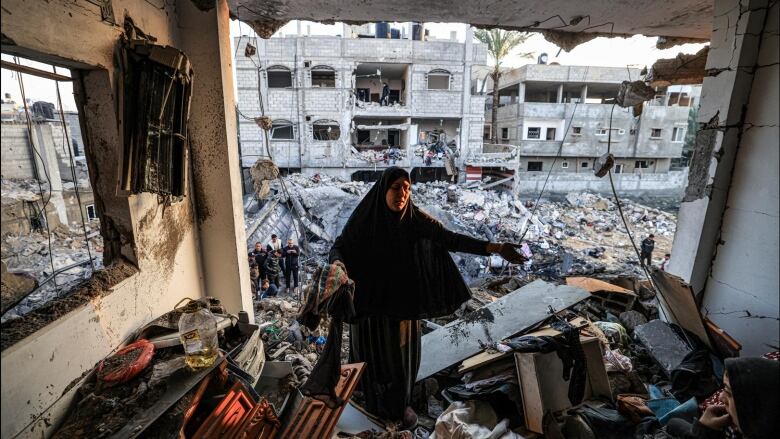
27	253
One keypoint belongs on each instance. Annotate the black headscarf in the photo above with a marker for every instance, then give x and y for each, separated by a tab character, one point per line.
399	260
755	386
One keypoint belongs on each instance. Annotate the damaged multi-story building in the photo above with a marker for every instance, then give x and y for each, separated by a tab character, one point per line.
557	119
184	237
324	95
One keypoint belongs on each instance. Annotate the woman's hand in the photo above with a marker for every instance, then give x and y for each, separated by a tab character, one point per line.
715	417
507	251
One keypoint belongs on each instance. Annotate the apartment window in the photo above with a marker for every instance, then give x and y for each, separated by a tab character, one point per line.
576	130
323	76
618	169
439	80
504	133
91	212
282	130
601	131
156	85
565	165
534	132
487	132
584	165
363	136
326	130
534	166
678	134
279	77
655	133
641	164
550	133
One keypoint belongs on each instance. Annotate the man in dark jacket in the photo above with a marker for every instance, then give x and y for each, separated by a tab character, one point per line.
646	257
260	254
291	253
274	266
385	100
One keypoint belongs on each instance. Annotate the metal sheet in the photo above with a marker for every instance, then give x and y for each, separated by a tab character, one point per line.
503	318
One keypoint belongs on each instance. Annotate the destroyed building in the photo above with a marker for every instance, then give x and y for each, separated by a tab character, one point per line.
544	108
323	96
187	239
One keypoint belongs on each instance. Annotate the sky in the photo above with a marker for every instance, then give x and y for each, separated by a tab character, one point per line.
637	51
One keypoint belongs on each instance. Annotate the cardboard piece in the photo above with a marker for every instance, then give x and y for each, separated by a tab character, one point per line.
679	305
542	388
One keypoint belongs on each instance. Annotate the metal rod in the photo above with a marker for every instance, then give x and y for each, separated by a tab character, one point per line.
33	71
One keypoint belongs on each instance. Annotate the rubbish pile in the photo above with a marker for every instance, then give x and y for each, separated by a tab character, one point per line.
586	357
582	234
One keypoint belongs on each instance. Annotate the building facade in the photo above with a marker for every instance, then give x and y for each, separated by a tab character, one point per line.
332	113
547	108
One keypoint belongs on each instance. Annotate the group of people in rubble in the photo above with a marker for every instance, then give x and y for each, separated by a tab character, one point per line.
269	263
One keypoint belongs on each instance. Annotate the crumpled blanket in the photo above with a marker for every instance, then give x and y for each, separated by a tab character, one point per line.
330	293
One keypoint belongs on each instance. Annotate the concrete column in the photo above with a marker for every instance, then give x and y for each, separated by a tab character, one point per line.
465	123
220	216
559	99
521	92
584	93
728	209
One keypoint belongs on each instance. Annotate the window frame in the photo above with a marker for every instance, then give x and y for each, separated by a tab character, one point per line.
326	123
676	130
541	166
660	133
320	69
278	69
564	165
282	123
91	217
538	134
438	72
576	131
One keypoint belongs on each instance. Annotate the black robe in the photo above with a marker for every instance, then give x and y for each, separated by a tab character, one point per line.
403	272
400	261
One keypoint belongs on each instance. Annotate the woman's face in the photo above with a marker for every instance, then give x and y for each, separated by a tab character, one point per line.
398	194
727	398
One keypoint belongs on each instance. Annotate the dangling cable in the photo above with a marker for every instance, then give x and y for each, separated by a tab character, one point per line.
37	173
73	171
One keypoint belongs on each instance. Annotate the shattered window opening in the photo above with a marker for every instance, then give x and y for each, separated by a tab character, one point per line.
279	77
326	130
504	133
323	76
534	166
576	130
50	228
439	79
157	98
282	130
655	133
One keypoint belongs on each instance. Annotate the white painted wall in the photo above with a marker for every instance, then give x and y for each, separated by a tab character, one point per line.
558	124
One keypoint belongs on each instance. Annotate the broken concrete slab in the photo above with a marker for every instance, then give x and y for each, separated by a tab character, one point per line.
503	318
663	344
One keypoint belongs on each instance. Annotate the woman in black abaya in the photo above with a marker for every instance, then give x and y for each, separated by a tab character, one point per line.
398	257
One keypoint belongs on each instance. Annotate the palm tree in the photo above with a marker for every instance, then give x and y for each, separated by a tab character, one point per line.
499	44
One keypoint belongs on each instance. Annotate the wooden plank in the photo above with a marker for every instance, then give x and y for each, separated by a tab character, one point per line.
679	304
484	358
505	317
595	285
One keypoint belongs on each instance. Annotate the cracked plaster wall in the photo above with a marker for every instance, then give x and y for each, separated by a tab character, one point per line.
165	242
726	244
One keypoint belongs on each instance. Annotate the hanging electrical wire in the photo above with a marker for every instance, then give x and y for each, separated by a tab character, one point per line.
73	171
619	205
37	172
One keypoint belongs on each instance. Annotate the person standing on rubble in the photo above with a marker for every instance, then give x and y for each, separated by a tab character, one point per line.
398	257
273	267
646	255
385	95
290	253
260	254
274	244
